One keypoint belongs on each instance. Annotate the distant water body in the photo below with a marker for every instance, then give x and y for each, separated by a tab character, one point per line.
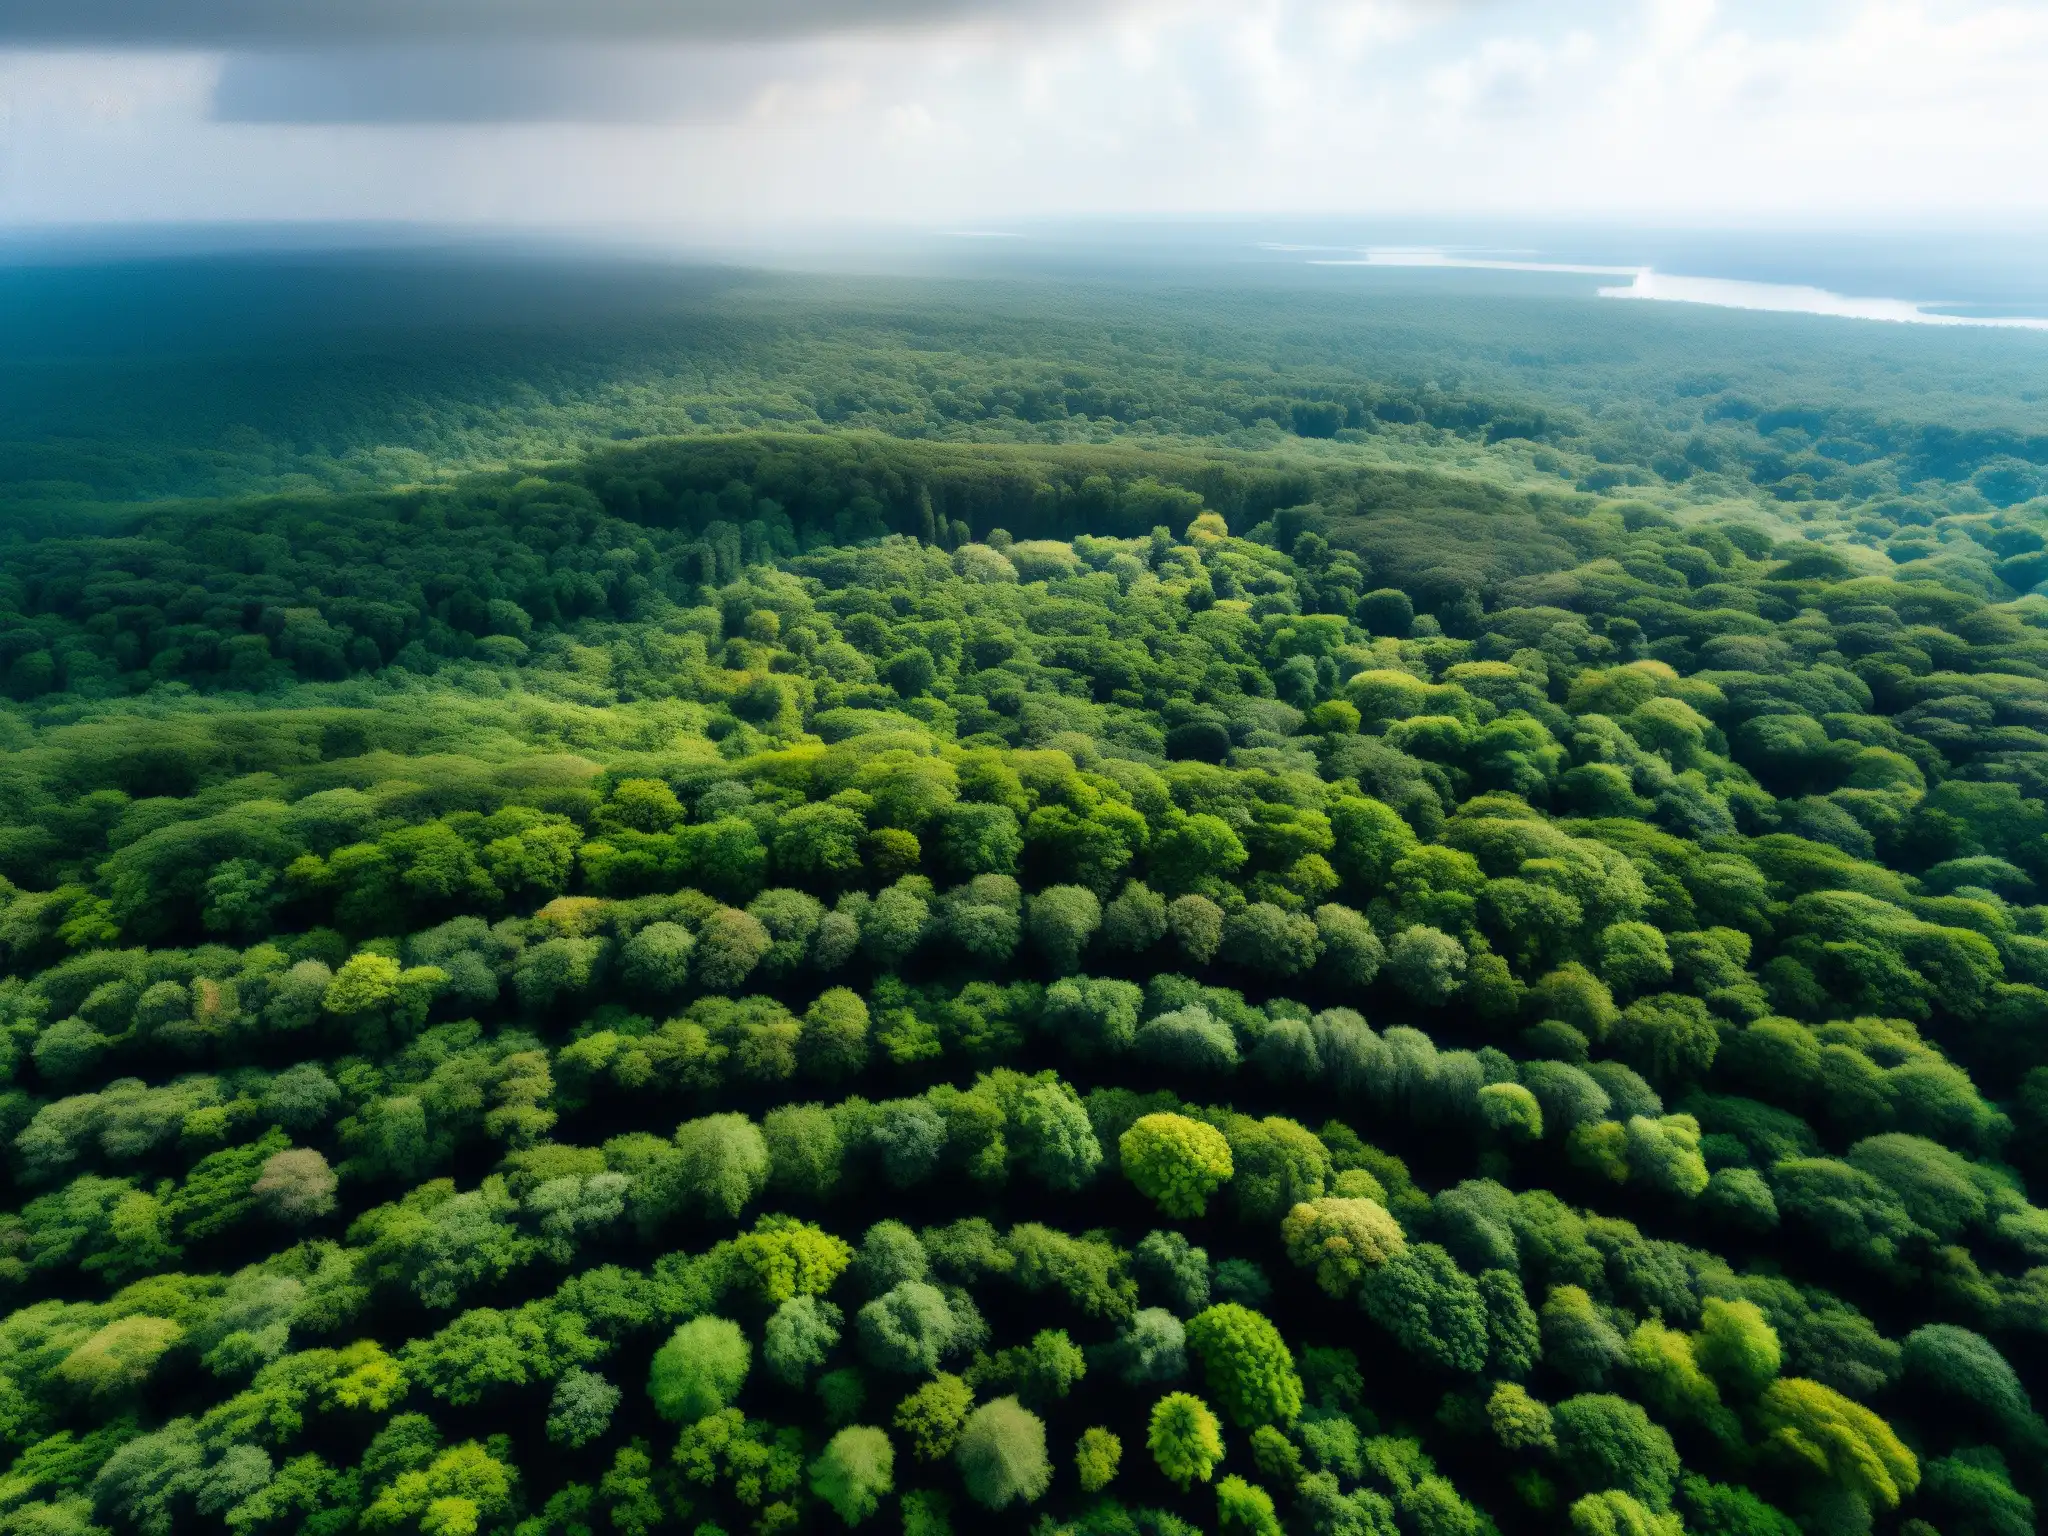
1648	283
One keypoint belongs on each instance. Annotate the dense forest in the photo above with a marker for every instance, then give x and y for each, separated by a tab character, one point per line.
1340	982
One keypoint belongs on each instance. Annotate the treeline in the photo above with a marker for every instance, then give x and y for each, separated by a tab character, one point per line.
332	382
598	580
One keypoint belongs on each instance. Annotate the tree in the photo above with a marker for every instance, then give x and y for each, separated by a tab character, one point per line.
725	1164
806	1153
984	918
856	1469
834	1043
1001	1455
699	1370
1152	1348
819	843
1819	1431
1664	1154
1175	1161
120	1356
368	982
1340	1239
454	1494
1670	1037
1511	1111
1245	1507
1575	996
1135	921
895	922
301	1098
1427	964
1514	1338
581	1410
1172	1270
1605	1442
1197	850
147	1480
926	1512
1966	1370
1185	1439
1061	919
1268	938
800	1334
1740	1198
1042	1372
1352	954
908	1328
1196	924
1519	1422
1097	1455
980	839
1249	1368
295	1186
1430	1306
1055	1141
787	1258
1717	1509
890	1254
1633	956
1851	1211
729	945
1093	1017
656	960
1737	1346
1670	1380
1941	1190
1973	1493
1614	1513
933	1415
1277	1162
1190	1039
791	918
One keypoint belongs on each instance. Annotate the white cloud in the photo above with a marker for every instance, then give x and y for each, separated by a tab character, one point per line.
1641	107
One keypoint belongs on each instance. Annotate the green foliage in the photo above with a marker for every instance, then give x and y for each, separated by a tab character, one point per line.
1430	1306
932	1416
853	1473
1826	1435
909	1328
699	1370
1097	1455
1340	1239
799	1336
1606	1442
581	1409
1001	1455
1245	1507
1518	1421
1248	1366
1185	1438
1176	1161
791	785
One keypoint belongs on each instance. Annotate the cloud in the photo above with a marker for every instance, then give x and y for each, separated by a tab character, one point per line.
503	82
979	116
288	23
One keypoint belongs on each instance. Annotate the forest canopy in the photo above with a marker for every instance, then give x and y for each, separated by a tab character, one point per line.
774	980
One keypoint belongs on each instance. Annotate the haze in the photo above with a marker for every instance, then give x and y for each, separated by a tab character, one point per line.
714	116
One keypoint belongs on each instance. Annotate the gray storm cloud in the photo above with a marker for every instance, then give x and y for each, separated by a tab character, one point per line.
288	23
501	82
485	61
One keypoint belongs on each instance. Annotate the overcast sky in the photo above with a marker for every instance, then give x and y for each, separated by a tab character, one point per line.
717	114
